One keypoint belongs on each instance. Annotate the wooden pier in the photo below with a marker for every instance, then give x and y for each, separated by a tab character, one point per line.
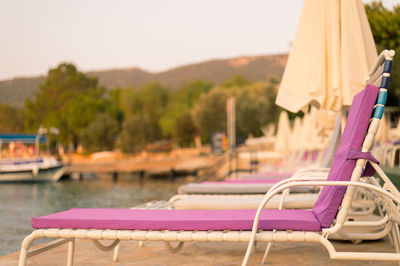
145	167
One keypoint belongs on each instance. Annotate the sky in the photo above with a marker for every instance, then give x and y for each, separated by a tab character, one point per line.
154	35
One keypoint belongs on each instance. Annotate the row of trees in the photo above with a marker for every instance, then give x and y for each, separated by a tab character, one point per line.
385	26
130	118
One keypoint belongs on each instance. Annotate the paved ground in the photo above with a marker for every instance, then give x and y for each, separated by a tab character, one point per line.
195	254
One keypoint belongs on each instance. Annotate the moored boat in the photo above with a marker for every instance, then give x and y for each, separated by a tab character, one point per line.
22	161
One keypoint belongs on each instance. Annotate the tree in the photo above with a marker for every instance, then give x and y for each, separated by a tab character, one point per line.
254	109
150	101
209	114
185	129
175	110
237	81
176	121
192	92
113	106
11	119
385	26
68	100
100	134
135	133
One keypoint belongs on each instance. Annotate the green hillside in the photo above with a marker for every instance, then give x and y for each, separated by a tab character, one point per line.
15	91
255	68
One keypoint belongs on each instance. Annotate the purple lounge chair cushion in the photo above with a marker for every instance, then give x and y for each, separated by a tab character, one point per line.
131	219
326	207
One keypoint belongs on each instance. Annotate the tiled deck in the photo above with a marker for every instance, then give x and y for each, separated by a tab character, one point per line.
154	253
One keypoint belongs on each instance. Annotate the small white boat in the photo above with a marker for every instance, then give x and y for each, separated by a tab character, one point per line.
24	162
35	169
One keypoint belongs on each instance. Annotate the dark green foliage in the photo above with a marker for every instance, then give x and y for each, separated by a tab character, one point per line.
113	106
209	114
385	26
84	113
100	134
136	133
237	81
185	130
255	107
11	119
176	121
68	100
148	102
192	92
394	89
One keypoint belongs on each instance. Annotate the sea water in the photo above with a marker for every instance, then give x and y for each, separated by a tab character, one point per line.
21	201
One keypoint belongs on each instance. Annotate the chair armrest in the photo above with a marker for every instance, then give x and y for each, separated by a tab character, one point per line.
333	183
270	194
296	178
177	197
312	169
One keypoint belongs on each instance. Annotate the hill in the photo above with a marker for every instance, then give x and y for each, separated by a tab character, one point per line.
256	68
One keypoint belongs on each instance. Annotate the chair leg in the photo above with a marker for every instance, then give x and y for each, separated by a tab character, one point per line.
269	244
141	244
116	253
390	236
254	246
23	256
174	249
25	245
396	238
267	249
71	251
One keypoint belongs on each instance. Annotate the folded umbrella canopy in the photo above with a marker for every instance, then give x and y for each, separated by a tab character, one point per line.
283	134
294	137
330	57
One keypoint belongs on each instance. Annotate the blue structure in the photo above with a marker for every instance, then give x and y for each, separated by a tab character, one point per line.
24	138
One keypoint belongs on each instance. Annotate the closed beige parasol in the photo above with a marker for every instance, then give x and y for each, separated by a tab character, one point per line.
330	57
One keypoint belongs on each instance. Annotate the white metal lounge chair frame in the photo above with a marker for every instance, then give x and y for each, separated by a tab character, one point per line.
388	154
389	195
361	207
393	210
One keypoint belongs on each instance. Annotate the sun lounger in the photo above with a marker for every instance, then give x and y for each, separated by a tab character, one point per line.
235	188
327	216
321	170
231	202
304	159
261	183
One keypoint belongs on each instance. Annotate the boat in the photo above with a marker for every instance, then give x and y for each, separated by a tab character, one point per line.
23	161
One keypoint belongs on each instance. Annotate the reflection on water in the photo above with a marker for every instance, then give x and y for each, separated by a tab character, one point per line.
20	202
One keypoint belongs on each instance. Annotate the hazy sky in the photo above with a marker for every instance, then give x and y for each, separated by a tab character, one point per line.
151	34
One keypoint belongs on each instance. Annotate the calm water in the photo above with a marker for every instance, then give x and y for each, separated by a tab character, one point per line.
20	202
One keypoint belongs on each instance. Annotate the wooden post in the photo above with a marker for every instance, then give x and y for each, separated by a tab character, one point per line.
115	176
